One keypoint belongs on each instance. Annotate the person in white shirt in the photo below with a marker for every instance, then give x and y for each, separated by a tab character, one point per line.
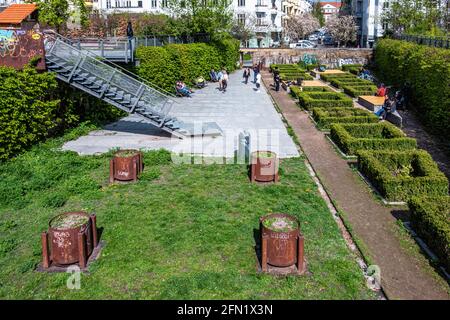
258	82
224	80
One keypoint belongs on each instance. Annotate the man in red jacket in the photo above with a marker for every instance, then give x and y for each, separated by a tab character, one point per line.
381	92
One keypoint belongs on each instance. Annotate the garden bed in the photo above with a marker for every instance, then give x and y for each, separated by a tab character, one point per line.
399	175
369	136
359	90
324	117
310	100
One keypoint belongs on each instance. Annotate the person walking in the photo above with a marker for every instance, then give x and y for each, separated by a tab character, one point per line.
246	74
255	72
224	80
219	79
258	82
277	80
130	35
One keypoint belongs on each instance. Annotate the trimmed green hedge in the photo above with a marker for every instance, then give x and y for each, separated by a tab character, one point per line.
352	68
295	90
34	106
430	218
163	66
310	100
317	89
328	77
351	138
325	117
294	76
399	175
287	68
341	82
357	90
428	71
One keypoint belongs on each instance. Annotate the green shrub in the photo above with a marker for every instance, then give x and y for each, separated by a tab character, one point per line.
341	82
317	89
427	69
310	100
350	67
359	90
370	136
329	76
28	111
295	91
430	218
324	117
163	66
399	175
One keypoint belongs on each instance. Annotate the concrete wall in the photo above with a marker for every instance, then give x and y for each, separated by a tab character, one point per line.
331	57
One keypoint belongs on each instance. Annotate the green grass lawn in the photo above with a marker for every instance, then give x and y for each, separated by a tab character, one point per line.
181	232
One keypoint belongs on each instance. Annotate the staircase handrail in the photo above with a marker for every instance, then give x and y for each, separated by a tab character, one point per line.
125	71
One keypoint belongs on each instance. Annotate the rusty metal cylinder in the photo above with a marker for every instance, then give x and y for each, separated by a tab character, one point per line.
64	242
264	168
126	168
281	246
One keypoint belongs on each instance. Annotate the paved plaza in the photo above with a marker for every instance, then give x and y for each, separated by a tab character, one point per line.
241	108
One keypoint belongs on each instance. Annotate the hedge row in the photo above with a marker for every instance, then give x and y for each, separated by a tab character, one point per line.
295	76
286	67
399	175
163	66
310	100
359	90
351	138
427	69
352	68
295	91
430	218
329	76
340	82
34	106
324	117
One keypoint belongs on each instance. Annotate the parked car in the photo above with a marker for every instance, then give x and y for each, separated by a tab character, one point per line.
313	37
328	41
306	44
276	44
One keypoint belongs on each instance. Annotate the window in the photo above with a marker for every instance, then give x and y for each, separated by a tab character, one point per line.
154	3
164	4
139	4
260	19
108	4
241	3
272	17
241	18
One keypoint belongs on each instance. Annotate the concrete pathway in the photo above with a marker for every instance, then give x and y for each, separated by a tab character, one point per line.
403	275
239	108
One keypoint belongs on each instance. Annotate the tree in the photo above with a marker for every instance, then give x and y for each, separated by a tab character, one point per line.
56	13
243	31
414	16
342	28
300	25
318	14
212	17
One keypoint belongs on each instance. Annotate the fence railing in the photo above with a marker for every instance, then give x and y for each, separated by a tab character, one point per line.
158	41
438	42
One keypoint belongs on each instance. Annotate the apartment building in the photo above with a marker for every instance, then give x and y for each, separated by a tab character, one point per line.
330	9
368	15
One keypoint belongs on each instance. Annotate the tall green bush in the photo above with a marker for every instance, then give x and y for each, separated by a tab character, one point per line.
163	66
28	111
34	106
427	69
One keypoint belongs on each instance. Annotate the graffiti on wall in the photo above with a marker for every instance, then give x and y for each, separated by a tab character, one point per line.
18	47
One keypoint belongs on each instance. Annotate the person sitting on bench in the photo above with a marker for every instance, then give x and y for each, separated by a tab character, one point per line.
200	82
382	91
213	76
183	89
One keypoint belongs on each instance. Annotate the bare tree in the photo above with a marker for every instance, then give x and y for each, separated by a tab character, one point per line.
300	25
244	30
342	28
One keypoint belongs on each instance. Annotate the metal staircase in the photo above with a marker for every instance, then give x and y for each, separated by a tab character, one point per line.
86	71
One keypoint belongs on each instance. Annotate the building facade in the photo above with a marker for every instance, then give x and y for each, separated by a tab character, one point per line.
330	9
368	15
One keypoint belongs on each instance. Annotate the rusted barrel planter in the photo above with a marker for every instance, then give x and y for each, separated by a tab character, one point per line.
126	165
264	166
70	239
282	242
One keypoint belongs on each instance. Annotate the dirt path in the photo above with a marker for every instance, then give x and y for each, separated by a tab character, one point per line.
403	275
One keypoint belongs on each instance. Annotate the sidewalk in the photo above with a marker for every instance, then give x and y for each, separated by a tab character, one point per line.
239	108
403	275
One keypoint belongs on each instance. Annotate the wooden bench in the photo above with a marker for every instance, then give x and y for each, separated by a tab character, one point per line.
313	83
317	73
374	103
